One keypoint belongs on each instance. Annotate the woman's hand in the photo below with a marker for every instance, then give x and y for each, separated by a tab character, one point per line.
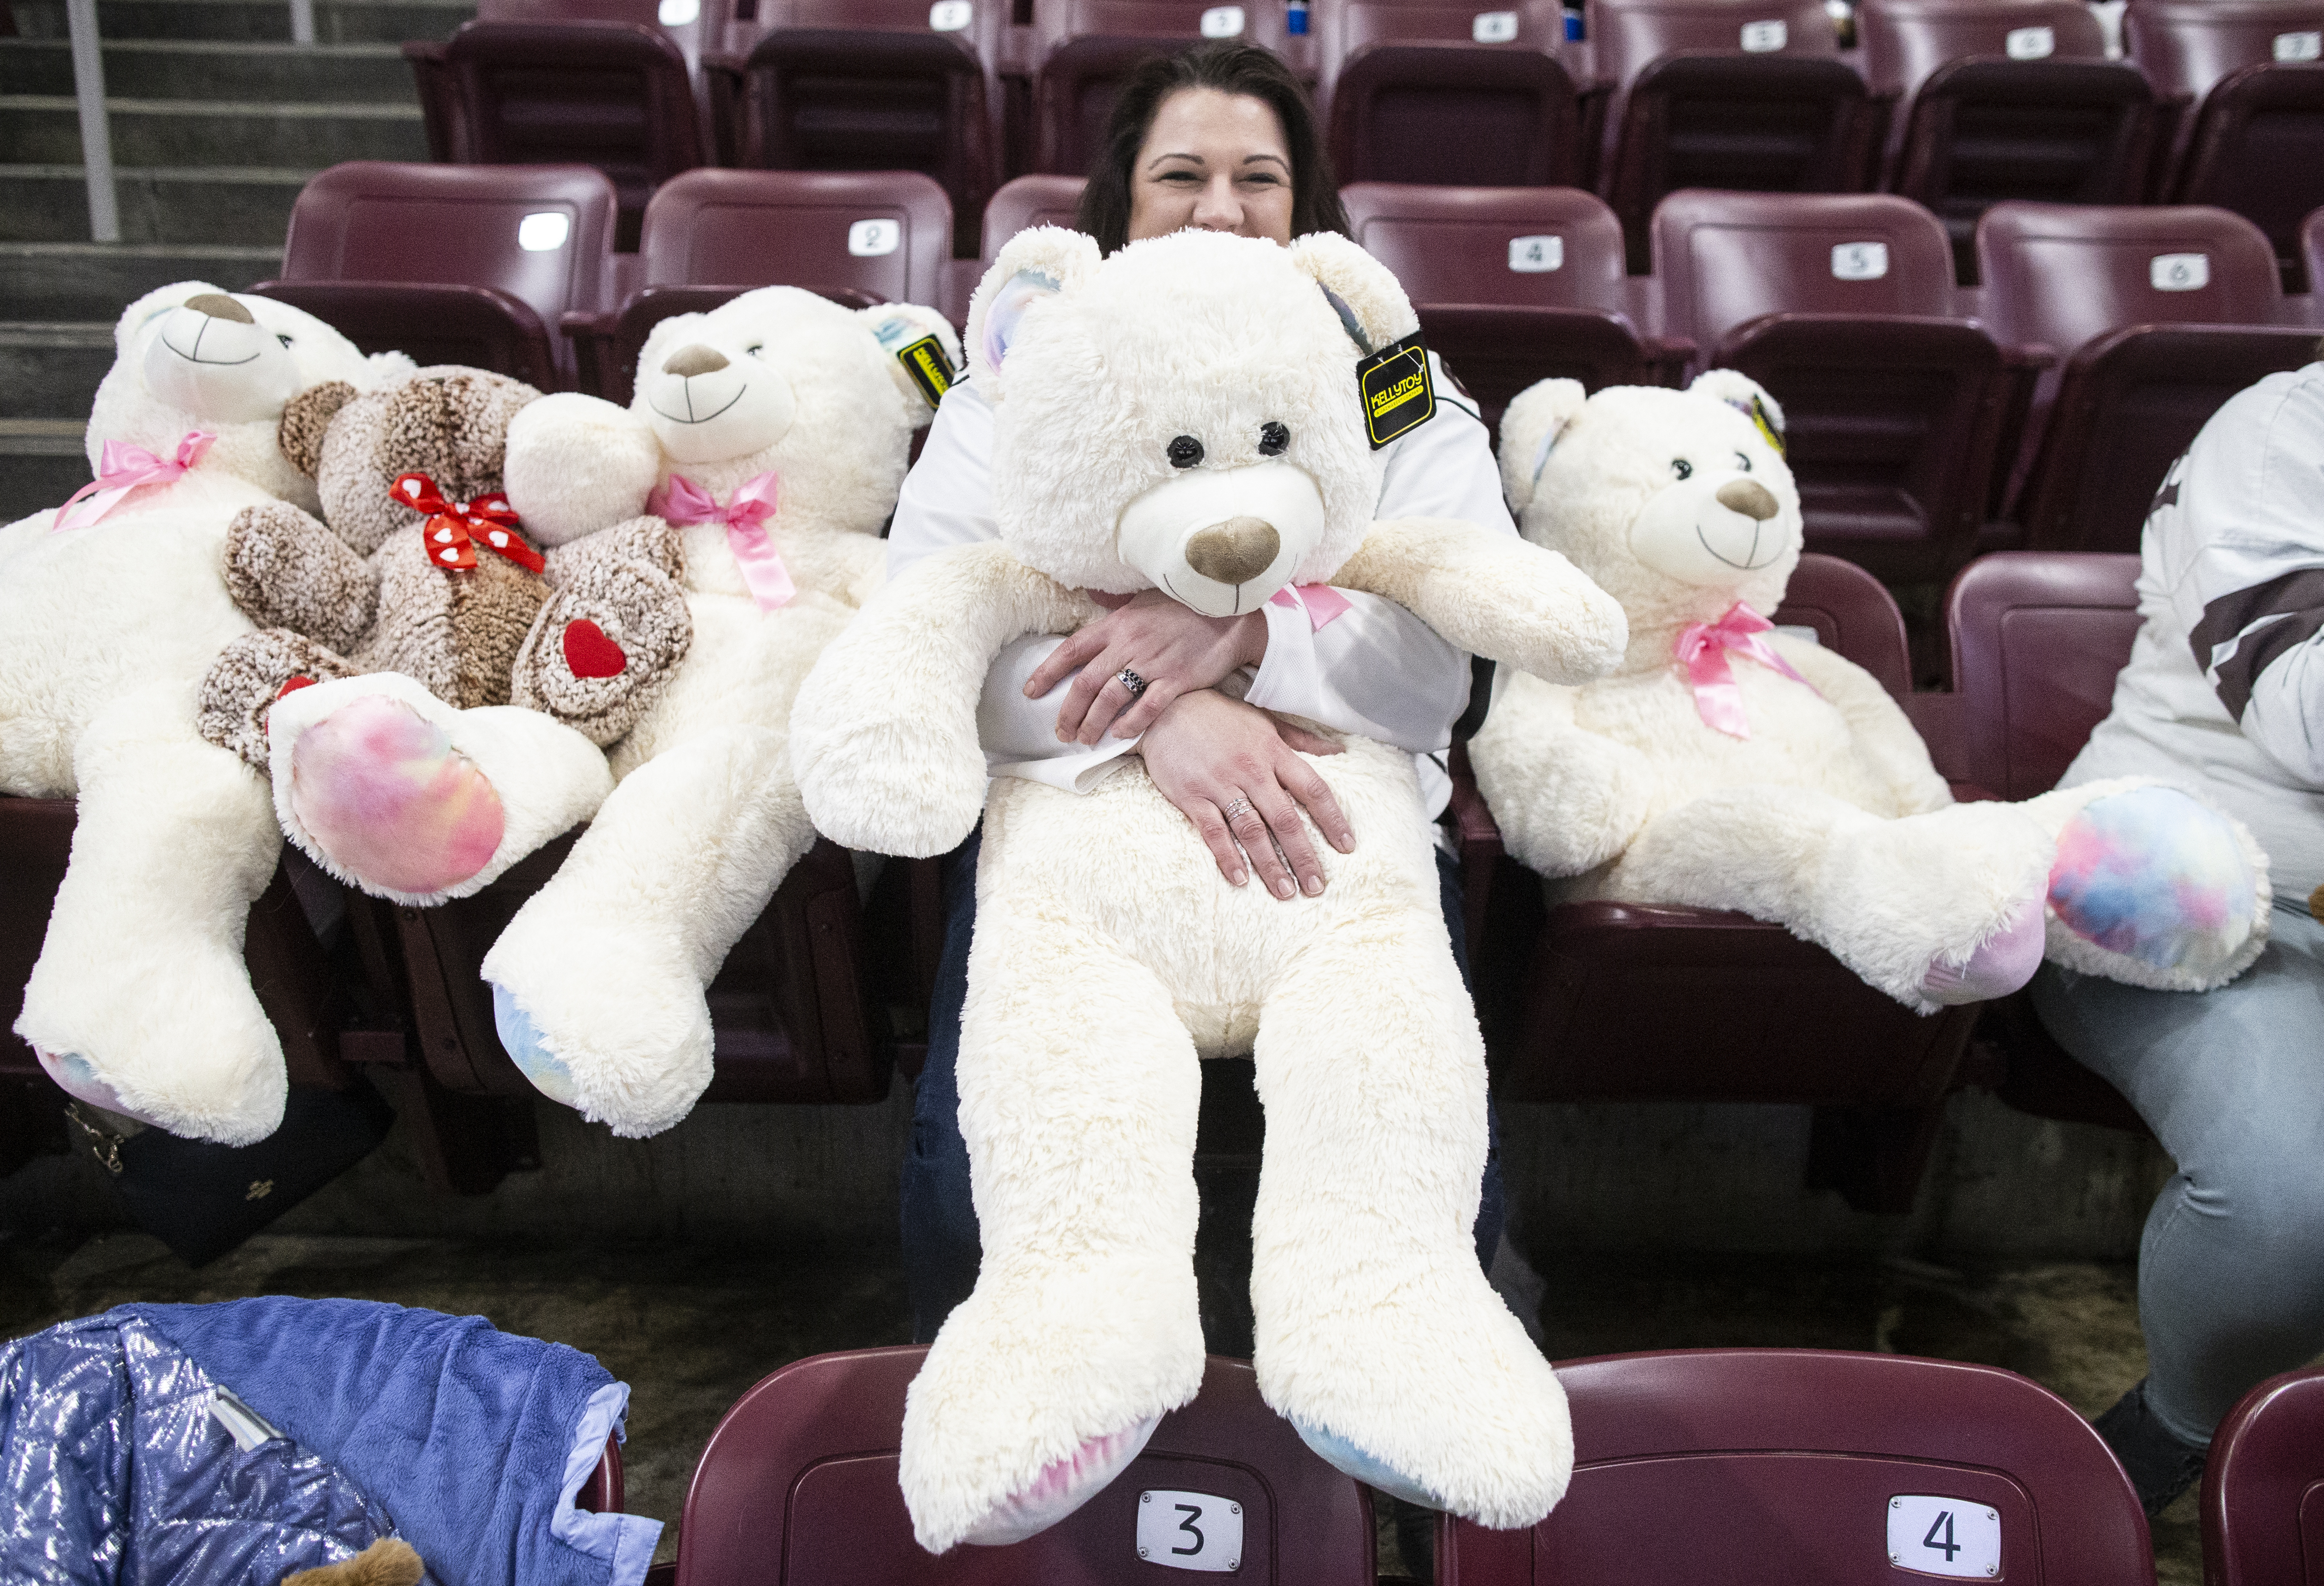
1177	650
1235	771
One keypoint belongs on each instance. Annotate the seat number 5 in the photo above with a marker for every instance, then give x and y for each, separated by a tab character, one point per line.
1190	1531
1931	1535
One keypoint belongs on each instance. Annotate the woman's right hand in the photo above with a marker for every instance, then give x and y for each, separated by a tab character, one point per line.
1211	755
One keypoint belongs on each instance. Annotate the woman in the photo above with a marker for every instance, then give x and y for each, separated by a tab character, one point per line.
1220	138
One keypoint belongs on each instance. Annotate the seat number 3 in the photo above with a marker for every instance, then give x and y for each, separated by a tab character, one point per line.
1934	1536
1190	1531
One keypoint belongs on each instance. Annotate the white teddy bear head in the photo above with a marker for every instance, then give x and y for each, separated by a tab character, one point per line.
189	356
1153	430
1678	503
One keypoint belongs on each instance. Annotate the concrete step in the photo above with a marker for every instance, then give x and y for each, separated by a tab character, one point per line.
45	129
247	205
51	371
41	463
94	281
337	21
187	69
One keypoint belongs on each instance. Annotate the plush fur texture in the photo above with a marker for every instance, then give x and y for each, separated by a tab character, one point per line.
1828	818
599	979
389	1562
140	1002
1110	955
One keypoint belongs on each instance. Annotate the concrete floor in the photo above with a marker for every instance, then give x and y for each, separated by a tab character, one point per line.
690	1327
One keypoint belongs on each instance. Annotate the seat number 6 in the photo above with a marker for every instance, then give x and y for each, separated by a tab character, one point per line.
1190	1531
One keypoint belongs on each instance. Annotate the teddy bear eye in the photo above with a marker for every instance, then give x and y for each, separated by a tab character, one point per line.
1185	451
1745	461
1681	467
1273	438
756	350
283	339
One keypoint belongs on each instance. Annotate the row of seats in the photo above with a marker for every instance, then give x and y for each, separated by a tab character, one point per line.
1958	103
1927	421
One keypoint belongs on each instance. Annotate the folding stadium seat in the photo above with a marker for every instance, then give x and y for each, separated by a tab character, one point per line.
1818	1469
1513	285
2312	253
2258	149
798	1487
859	237
1029	201
1843	306
2161	314
2263	1486
1423	91
868	85
1083	48
2006	99
2186	46
1560	988
1744	94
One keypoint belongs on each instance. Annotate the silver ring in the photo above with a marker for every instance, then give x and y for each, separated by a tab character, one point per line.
1132	681
1239	806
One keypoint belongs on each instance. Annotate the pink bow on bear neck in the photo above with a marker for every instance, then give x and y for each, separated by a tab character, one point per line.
745	515
1702	650
121	467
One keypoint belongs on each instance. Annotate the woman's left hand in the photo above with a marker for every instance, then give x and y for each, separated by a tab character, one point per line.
1174	648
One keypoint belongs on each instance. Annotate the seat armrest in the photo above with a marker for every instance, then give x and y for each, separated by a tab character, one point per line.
591	332
1670	355
724	86
2033	355
1479	838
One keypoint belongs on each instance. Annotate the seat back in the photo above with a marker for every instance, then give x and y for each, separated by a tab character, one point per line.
1819	1468
798	1487
1530	246
1724	258
1853	614
1627	35
1420	91
2062	273
2264	1487
884	233
2037	639
2187	46
1027	202
1082	51
2258	149
1906	40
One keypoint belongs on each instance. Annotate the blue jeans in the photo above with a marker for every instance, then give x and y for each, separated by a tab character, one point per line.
941	1249
2231	1267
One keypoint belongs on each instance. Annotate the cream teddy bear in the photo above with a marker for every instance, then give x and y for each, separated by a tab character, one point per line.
1110	954
1729	766
110	612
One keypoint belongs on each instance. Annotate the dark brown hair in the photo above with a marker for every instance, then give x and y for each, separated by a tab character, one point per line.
1231	67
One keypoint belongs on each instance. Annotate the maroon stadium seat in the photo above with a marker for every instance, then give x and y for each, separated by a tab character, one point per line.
1817	1468
797	1487
2006	99
451	263
1661	984
2264	1487
1423	91
2186	46
2160	315
1083	48
2258	149
1513	285
1843	306
1026	201
860	236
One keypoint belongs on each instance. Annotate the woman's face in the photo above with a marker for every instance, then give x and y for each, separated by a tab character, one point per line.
1214	161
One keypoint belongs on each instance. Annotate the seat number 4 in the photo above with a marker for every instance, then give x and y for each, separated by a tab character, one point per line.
1190	1531
1934	1536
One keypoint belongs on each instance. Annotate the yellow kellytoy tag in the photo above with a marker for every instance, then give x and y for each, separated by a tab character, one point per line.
930	370
1759	417
1396	392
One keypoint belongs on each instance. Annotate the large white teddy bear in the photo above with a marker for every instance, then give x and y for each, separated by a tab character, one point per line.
1110	954
1727	765
110	613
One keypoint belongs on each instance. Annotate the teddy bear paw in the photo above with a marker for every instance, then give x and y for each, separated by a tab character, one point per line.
602	648
1062	1486
77	1077
528	1048
1997	967
2154	876
388	801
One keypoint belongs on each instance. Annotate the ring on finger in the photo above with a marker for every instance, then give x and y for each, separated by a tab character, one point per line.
1237	810
1132	681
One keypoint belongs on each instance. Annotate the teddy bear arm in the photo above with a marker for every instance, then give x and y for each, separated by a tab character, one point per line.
1567	799
841	563
248	677
284	569
603	646
576	464
1883	734
1493	595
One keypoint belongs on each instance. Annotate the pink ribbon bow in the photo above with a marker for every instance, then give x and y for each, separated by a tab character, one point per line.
1322	604
121	467
1702	650
745	515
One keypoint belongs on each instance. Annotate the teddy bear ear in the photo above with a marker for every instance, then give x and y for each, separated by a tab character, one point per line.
1530	425
1362	290
305	419
1036	263
1747	397
152	307
900	329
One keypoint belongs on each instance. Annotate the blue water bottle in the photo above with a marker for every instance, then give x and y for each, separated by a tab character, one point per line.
1295	17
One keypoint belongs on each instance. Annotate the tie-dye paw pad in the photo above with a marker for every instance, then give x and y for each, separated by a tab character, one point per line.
2157	877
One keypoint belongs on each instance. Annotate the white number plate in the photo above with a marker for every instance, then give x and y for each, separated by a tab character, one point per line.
1223	22
1190	1531
2179	273
1944	1537
951	16
1764	38
1533	255
2031	43
2299	46
1859	261
1494	27
869	239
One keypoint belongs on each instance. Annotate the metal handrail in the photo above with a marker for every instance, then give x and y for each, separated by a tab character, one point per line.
96	133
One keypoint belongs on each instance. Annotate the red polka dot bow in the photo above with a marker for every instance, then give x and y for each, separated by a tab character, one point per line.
454	528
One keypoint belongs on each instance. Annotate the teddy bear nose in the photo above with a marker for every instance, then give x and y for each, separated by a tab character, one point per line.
697	359
1749	497
1235	551
218	306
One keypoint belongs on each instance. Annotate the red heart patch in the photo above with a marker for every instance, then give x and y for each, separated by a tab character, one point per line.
589	653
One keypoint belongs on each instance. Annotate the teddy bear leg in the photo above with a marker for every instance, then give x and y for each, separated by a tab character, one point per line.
597	982
1378	1335
1934	909
1078	1092
396	793
140	1002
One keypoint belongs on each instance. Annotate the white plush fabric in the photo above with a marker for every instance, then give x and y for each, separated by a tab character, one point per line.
1110	954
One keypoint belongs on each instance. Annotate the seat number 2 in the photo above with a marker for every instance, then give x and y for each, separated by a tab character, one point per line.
1190	1531
1932	1535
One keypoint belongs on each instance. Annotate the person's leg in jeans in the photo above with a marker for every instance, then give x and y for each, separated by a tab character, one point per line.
2231	1267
